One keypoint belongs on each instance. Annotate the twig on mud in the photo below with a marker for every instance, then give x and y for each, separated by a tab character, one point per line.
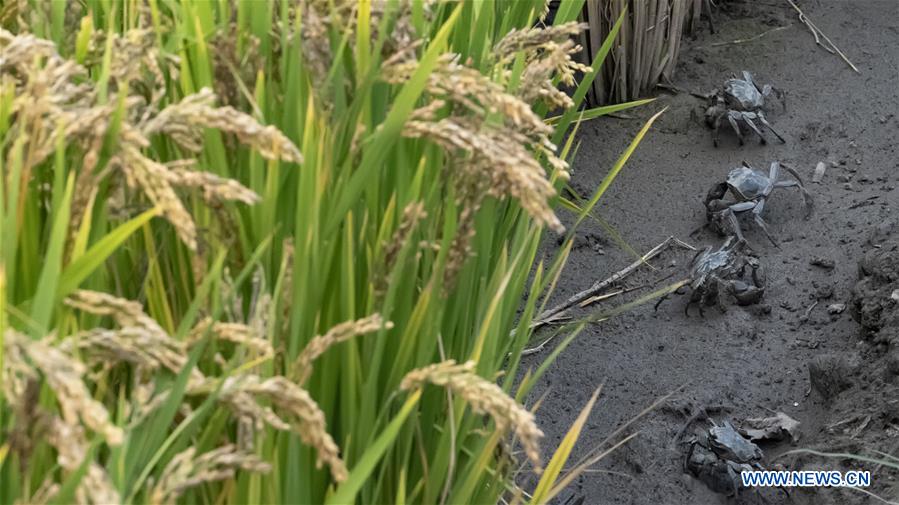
670	87
818	34
609	472
872	495
886	456
538	348
556	313
599	298
849	420
667	86
611	313
808	312
750	39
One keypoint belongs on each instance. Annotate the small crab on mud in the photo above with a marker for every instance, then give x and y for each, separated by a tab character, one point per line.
716	273
718	456
740	101
750	190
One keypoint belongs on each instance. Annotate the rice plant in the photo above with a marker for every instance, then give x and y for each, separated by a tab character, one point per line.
645	52
273	252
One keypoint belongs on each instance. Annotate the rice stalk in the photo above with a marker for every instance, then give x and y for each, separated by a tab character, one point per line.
646	50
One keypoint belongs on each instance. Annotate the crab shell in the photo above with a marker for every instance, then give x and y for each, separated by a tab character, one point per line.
747	184
714	261
721	260
729	444
743	95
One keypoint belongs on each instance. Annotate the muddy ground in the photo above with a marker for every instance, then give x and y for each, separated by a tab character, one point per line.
752	360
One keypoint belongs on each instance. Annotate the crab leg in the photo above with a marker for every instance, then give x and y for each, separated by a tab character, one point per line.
768	125
720	289
735	224
757	216
735	126
774	171
747	117
759	283
805	194
699	303
748	78
807	198
716	193
715	126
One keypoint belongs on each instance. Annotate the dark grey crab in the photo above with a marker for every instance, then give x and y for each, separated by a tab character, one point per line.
719	456
750	190
716	273
740	101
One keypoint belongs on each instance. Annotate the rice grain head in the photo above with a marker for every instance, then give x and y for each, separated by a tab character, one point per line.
413	213
308	421
186	470
155	181
302	367
140	340
504	165
97	487
184	123
71	445
294	410
123	312
237	333
500	136
55	97
530	40
320	18
215	189
485	397
65	377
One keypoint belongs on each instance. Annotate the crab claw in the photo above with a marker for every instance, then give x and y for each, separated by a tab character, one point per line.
716	193
746	294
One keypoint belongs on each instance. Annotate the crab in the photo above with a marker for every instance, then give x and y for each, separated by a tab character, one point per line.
715	273
750	189
740	100
719	456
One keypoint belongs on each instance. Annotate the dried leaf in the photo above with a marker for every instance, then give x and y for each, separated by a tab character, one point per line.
778	427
